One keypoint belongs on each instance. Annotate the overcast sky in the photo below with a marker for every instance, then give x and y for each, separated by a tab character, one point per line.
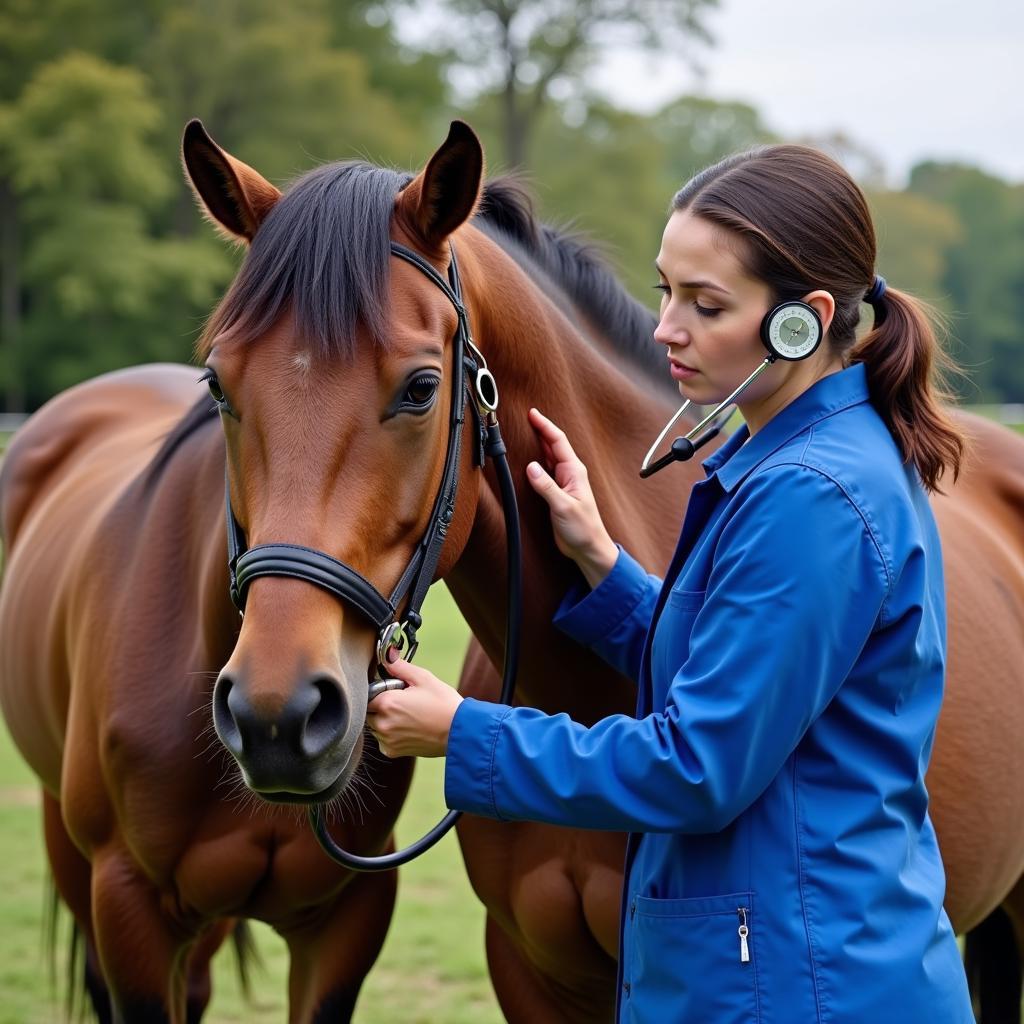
910	79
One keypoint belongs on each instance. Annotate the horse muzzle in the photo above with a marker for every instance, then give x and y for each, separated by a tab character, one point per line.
300	752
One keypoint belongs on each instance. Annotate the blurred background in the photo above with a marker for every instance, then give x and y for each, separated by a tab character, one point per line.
607	106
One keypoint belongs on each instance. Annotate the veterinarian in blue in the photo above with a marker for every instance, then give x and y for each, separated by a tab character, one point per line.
781	867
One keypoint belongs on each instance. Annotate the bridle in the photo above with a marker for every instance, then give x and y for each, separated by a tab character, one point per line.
469	371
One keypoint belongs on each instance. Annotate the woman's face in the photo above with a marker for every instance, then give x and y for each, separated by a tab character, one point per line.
711	312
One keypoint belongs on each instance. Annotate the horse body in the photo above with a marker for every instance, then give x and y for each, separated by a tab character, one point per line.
117	571
148	847
978	813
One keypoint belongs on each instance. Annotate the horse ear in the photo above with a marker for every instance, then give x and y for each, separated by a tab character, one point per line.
445	194
233	196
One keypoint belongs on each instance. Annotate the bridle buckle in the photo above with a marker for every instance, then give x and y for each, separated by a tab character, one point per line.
395	635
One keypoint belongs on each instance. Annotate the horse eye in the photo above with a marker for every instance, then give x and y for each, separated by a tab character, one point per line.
421	391
214	385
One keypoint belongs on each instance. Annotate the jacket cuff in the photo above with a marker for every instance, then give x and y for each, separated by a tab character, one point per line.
469	763
588	616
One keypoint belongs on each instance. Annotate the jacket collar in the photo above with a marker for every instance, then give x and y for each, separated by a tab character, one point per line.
735	460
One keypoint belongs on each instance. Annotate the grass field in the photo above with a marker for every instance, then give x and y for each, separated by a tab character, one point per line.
432	967
431	970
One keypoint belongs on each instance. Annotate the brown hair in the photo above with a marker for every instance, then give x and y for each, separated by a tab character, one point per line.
805	225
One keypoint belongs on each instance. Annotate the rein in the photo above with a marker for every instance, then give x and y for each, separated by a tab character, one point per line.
469	373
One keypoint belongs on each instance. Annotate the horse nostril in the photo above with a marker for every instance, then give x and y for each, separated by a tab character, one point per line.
326	720
224	721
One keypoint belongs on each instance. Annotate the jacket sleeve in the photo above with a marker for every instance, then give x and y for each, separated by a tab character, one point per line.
612	620
796	588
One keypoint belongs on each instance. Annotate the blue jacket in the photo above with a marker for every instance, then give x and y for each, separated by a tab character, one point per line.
790	671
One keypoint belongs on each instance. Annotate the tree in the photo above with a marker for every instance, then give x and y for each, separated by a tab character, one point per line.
104	261
529	52
984	275
82	274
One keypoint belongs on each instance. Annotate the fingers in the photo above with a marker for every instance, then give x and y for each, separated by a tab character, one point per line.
546	487
404	670
553	437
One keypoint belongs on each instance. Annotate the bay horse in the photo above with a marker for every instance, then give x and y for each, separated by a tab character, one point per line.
326	363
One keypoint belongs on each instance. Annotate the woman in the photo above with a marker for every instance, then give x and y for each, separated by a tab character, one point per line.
782	866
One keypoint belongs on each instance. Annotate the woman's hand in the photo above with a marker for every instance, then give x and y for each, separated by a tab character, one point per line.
579	532
413	722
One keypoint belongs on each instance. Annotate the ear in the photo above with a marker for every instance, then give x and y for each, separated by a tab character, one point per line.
445	194
824	305
233	196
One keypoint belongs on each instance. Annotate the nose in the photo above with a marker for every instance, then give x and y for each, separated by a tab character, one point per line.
668	333
281	751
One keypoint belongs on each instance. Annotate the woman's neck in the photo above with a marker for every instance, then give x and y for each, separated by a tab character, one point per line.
757	414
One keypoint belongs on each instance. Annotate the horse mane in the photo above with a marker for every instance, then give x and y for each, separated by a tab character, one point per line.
569	266
323	253
202	412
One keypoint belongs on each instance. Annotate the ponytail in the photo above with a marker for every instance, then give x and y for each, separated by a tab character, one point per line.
804	224
906	369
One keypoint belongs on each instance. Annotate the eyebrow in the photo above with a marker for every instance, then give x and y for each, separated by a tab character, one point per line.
709	285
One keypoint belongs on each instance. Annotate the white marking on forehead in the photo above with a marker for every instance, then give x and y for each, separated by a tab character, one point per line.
303	362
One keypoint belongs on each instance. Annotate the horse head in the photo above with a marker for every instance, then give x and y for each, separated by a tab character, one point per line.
330	363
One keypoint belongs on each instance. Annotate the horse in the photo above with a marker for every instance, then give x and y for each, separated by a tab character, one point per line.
132	687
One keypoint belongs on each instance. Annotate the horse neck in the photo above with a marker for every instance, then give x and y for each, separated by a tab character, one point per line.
610	414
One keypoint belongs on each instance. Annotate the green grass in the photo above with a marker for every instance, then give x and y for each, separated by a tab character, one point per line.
432	967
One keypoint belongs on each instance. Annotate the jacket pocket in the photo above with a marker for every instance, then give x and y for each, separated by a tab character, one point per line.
693	960
687	600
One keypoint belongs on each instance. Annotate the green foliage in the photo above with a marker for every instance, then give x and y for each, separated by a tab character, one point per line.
104	258
530	52
105	261
984	272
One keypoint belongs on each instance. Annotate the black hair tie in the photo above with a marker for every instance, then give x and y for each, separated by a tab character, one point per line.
876	291
873	298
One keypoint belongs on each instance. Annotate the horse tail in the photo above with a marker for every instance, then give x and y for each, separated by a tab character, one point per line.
80	980
992	962
247	956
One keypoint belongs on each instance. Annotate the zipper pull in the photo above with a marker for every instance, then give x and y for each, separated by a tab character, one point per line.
744	931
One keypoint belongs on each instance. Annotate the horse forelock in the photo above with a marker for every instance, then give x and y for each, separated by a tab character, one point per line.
322	256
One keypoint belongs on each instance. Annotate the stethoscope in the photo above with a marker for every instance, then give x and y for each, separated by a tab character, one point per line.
789	331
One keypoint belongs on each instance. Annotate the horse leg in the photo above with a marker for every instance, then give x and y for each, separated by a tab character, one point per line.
552	897
141	951
72	876
332	953
200	987
992	962
529	996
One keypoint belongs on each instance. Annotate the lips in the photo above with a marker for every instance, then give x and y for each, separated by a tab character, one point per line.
682	365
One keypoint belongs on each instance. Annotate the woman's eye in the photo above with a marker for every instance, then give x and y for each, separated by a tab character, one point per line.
661	287
421	391
706	310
